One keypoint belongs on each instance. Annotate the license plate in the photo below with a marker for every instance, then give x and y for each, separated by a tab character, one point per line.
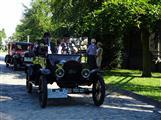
77	90
58	93
27	59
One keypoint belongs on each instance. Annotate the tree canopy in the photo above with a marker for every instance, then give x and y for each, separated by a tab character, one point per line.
92	18
35	22
81	16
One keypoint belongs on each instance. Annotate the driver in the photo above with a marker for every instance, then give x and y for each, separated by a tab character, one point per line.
50	45
46	46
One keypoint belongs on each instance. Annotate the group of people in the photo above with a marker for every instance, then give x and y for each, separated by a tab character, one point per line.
94	53
66	47
44	47
48	47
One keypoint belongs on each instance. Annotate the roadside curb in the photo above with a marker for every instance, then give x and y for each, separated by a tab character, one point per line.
145	99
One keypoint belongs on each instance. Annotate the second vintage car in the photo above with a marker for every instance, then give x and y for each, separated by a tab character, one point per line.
16	54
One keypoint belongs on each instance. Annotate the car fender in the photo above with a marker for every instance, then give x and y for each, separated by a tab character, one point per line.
15	56
7	58
95	73
45	71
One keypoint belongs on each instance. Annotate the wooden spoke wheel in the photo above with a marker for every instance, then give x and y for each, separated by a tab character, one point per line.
43	91
98	91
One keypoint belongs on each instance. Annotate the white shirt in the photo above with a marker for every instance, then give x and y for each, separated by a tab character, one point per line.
59	49
49	49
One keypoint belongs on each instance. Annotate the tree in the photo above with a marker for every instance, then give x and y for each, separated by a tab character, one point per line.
68	15
35	22
116	16
2	36
98	18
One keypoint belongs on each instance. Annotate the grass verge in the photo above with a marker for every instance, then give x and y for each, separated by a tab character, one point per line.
132	80
3	52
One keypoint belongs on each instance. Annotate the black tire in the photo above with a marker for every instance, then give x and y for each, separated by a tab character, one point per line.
43	91
6	60
98	91
28	84
14	65
7	65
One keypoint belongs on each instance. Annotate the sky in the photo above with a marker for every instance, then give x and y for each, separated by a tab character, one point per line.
11	11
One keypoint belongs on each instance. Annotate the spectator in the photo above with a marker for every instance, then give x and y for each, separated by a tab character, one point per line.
91	54
99	53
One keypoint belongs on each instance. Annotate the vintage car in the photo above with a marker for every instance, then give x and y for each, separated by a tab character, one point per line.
68	73
16	54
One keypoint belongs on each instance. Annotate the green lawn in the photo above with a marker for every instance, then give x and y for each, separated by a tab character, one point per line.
132	80
3	52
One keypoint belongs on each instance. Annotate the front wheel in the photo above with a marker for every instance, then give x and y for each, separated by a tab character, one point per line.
14	64
6	60
28	84
7	65
98	91
43	91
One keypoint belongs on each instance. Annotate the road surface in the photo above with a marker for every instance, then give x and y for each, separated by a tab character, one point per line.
17	104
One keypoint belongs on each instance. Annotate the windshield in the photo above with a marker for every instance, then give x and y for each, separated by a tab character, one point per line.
57	57
22	46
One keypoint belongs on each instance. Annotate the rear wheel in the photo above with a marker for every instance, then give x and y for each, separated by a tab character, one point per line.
98	91
43	91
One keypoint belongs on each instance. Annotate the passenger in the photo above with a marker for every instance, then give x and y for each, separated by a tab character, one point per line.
35	48
73	48
64	48
59	49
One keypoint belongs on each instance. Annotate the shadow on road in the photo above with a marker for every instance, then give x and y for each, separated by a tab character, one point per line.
15	98
8	71
17	104
18	92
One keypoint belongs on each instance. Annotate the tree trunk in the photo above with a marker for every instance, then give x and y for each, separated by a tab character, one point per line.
146	54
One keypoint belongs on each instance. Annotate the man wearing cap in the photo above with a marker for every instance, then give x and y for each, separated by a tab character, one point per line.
91	52
45	46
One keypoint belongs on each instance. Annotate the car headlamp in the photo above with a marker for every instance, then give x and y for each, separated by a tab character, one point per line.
85	73
22	55
59	72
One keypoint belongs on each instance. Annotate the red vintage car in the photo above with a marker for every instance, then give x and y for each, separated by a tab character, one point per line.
16	54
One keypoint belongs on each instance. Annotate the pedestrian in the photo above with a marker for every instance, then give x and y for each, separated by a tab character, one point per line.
91	54
99	53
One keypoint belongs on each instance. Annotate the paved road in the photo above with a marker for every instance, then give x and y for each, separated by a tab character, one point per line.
17	104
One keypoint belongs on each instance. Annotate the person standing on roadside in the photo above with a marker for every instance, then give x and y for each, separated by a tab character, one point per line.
99	53
91	54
